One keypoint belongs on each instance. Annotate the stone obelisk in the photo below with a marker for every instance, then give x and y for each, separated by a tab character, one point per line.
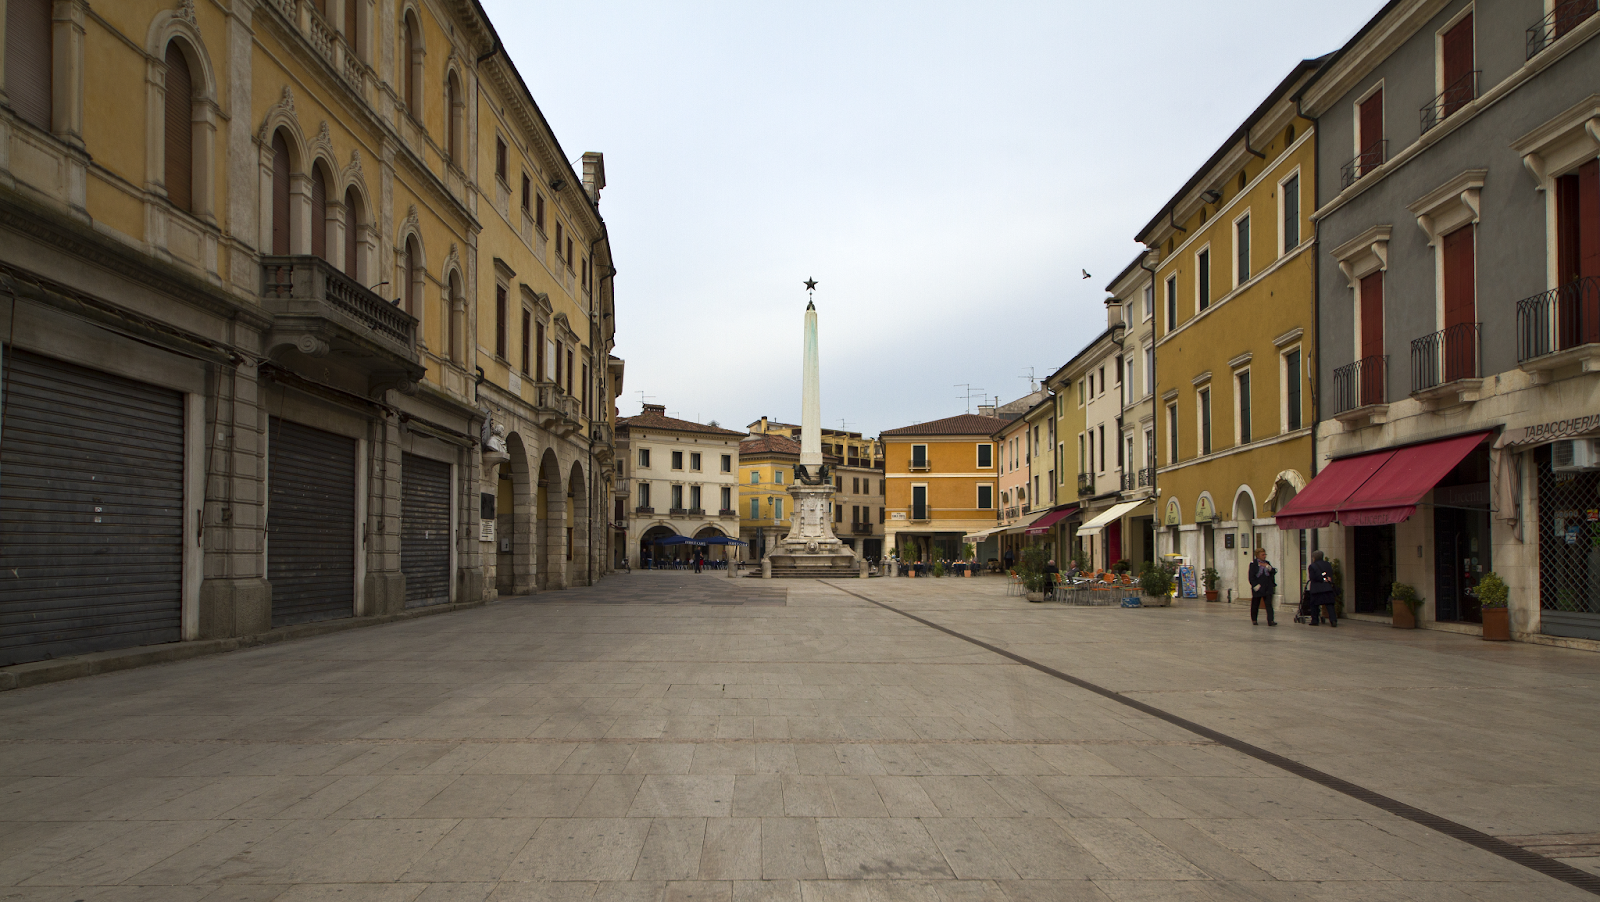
811	548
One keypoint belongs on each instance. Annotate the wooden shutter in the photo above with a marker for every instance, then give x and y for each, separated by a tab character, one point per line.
538	212
28	60
1371	126
280	194
527	337
321	7
559	349
180	130
408	74
1589	219
1460	307
1458	65
569	372
452	118
319	213
1371	376
350	23
350	226
411	276
500	313
538	348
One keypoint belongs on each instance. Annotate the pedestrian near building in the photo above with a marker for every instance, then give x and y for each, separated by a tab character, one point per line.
1263	585
1320	592
1051	576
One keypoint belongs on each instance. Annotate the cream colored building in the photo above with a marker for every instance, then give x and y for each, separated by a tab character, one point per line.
683	480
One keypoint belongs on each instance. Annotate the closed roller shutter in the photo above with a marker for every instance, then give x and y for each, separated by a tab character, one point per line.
91	511
311	523
425	530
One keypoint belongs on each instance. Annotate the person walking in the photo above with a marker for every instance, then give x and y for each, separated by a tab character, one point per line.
1320	590
1263	585
699	561
1052	575
1011	559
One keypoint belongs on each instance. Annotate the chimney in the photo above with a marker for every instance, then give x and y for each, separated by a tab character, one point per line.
594	174
985	410
656	408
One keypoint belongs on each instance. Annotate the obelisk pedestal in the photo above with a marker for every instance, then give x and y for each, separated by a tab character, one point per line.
811	548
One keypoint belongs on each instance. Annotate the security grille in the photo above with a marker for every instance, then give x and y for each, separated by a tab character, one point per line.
1569	550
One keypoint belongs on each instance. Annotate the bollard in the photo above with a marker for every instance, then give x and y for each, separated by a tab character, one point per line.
862	567
766	568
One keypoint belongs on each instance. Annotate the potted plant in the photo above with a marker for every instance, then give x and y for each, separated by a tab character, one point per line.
1080	561
1404	602
1494	595
1031	569
938	569
969	555
1156	582
1122	566
1210	575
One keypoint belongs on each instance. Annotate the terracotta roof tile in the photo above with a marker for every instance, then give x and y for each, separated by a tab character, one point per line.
965	424
650	419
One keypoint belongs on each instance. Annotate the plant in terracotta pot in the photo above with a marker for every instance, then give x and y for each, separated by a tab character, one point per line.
1495	597
1031	569
1211	576
1404	602
1155	582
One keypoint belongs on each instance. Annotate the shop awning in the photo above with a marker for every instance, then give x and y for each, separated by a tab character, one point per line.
1377	488
1050	519
1114	512
976	537
1024	523
1392	494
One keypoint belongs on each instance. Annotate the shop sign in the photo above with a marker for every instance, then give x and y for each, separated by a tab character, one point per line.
1174	513
1559	429
1203	509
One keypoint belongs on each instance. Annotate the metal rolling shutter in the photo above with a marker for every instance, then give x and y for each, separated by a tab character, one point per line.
311	519
28	60
425	530
91	511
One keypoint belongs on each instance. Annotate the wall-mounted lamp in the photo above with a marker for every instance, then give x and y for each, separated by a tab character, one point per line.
1211	196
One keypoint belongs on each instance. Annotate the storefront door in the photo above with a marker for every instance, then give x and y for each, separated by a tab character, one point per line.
1373	567
1461	555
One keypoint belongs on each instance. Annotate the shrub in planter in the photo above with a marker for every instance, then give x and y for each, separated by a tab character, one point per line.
1405	603
1155	581
1122	566
1495	597
1210	576
938	569
1031	569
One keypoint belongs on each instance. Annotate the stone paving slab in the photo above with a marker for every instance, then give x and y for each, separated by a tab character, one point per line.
600	744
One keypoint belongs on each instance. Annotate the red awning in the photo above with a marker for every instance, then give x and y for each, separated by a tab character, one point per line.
1316	507
1043	524
1391	494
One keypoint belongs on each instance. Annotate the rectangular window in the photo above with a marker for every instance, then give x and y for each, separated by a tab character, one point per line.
882	488
755	477
727	463
919	502
985	497
694	460
694	497
838	513
500	159
1456	57
1149	370
644	494
1082	460
777	477
569	253
538	211
1290	192
585	390
500	314
1172	302
1172	433
569	372
755	508
880	515
527	189
1577	196
559	233
1147	307
1102	448
985	456
777	508
527	338
727	499
1202	280
1242	385
538	349
1080	392
1291	373
559	351
855	486
1241	247
644	457
677	497
1205	420
919	456
1369	134
677	460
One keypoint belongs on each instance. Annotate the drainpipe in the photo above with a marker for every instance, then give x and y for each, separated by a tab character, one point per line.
1155	385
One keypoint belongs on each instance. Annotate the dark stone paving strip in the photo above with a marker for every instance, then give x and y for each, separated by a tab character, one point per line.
1549	867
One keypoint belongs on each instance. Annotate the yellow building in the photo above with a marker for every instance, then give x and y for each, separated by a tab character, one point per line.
1235	331
941	485
766	470
261	243
856	462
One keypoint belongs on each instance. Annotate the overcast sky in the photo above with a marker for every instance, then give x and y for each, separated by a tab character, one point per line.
945	171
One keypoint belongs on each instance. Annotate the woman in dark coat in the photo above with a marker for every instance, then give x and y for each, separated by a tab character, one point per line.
1263	585
1320	591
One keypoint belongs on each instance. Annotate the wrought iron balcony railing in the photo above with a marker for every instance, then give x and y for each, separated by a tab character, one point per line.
919	466
1147	477
1565	16
677	512
1360	384
1364	162
647	511
1445	356
726	512
1452	98
1130	480
1085	483
1558	319
861	529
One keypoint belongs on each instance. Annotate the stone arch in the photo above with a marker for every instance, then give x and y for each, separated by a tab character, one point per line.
280	126
453	90
453	302
577	527
658	530
177	28
1285	486
712	531
413	43
326	221
515	563
1244	504
551	515
411	272
360	231
1205	507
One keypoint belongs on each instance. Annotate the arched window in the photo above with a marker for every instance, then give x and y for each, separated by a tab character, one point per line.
180	130
452	101
28	60
452	313
319	212
352	225
412	63
413	262
280	194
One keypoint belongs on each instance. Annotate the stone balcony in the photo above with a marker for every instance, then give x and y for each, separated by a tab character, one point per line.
555	410
320	312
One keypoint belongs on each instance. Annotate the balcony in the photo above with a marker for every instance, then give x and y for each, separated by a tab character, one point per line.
1452	98
1085	484
1446	364
1147	477
1360	391
697	512
644	511
555	410
1365	161
1560	328
919	466
303	18
319	311
677	512
726	512
861	529
1566	15
1130	480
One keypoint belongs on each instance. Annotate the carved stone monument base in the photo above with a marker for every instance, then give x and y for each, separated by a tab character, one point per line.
811	549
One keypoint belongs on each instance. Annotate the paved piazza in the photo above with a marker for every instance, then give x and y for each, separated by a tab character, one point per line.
672	736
